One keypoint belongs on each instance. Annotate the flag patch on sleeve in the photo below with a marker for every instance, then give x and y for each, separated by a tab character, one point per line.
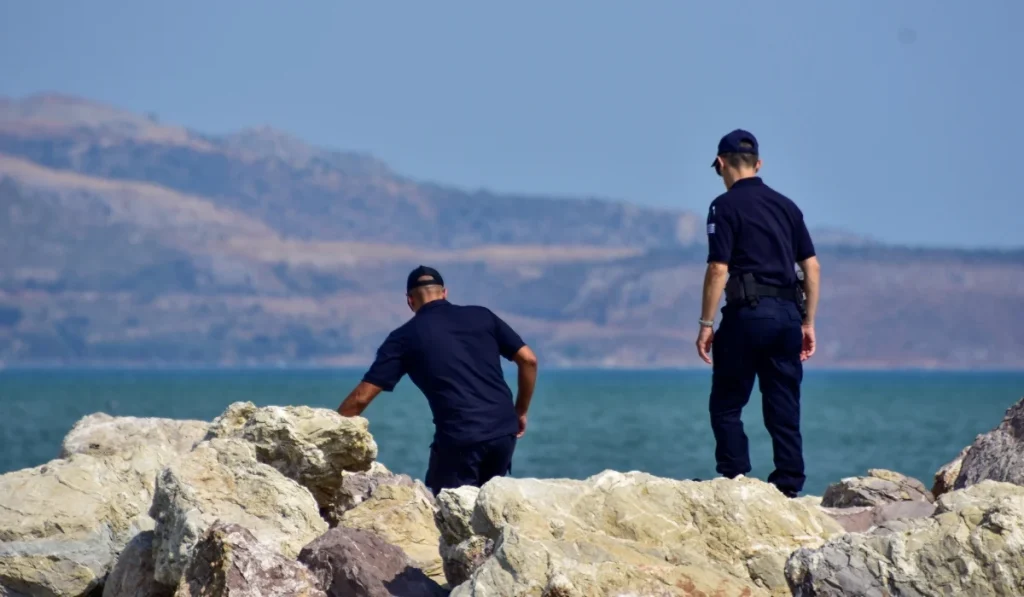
711	228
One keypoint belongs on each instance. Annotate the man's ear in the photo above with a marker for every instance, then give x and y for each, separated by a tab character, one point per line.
757	166
444	293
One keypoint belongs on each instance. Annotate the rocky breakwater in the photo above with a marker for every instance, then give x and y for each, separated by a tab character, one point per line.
278	501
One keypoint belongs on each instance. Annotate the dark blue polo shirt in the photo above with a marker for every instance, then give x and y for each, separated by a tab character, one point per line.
452	353
756	229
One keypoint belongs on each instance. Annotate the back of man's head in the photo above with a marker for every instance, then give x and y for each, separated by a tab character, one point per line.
423	285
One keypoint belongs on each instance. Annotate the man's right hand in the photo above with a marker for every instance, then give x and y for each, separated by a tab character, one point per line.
808	342
522	426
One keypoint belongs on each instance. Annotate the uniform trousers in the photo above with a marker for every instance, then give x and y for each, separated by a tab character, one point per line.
763	341
474	464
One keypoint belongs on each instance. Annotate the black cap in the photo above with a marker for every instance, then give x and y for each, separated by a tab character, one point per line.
414	278
731	144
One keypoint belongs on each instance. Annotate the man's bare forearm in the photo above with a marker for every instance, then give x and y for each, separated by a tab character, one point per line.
812	284
714	283
358	399
527	363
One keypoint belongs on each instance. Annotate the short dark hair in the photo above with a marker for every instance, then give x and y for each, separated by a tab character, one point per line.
739	159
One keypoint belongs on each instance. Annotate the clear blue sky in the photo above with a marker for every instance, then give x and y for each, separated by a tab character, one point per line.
901	120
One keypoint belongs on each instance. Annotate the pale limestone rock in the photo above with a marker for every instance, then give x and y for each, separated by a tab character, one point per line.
972	545
997	455
635	534
946	476
230	562
313	446
357	487
100	434
461	550
402	515
132	576
879	487
63	524
222	480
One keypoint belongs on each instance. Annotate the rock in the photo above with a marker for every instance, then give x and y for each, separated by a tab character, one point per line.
132	576
356	487
971	546
403	515
221	480
859	519
357	563
63	524
997	455
879	487
101	434
230	562
633	533
462	552
946	476
313	446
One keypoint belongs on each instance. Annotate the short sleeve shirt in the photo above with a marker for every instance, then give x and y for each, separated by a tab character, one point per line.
753	228
453	353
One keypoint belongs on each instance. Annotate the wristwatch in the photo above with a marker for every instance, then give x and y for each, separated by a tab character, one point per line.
705	323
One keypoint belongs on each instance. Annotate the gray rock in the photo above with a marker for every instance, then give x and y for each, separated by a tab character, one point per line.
132	576
970	546
946	476
997	455
357	486
229	562
879	487
357	563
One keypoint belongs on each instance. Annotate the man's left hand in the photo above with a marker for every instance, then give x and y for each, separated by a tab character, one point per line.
704	339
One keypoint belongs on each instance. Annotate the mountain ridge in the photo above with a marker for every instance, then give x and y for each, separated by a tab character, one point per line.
129	241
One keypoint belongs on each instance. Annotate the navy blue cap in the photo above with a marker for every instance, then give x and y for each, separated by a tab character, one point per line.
432	275
731	144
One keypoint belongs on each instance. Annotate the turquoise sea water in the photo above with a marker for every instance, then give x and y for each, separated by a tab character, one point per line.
581	422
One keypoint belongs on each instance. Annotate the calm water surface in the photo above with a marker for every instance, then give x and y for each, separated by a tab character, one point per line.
582	422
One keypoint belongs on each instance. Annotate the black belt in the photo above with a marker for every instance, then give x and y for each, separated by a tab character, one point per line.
744	288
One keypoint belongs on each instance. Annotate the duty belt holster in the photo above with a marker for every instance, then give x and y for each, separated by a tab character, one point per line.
745	289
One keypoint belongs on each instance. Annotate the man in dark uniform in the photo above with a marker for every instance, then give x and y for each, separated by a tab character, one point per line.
452	353
755	237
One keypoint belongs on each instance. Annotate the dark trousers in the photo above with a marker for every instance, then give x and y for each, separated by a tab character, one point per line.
476	464
764	341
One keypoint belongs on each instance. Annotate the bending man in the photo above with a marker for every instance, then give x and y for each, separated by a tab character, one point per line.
452	353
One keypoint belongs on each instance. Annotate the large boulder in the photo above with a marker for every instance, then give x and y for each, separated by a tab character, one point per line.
972	545
997	455
402	513
132	576
313	446
633	532
230	562
63	524
357	563
222	480
100	434
878	488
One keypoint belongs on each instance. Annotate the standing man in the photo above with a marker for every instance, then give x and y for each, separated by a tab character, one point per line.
755	235
452	353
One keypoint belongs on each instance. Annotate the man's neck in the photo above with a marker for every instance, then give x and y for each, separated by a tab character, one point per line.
743	176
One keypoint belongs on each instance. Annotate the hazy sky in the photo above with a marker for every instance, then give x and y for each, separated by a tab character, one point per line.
898	119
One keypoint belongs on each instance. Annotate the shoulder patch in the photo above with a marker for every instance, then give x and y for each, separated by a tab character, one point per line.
711	228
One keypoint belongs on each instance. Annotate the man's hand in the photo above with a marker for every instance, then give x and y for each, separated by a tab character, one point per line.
704	339
522	425
808	342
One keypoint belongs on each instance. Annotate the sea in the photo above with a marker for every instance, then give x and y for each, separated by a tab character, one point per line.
581	422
